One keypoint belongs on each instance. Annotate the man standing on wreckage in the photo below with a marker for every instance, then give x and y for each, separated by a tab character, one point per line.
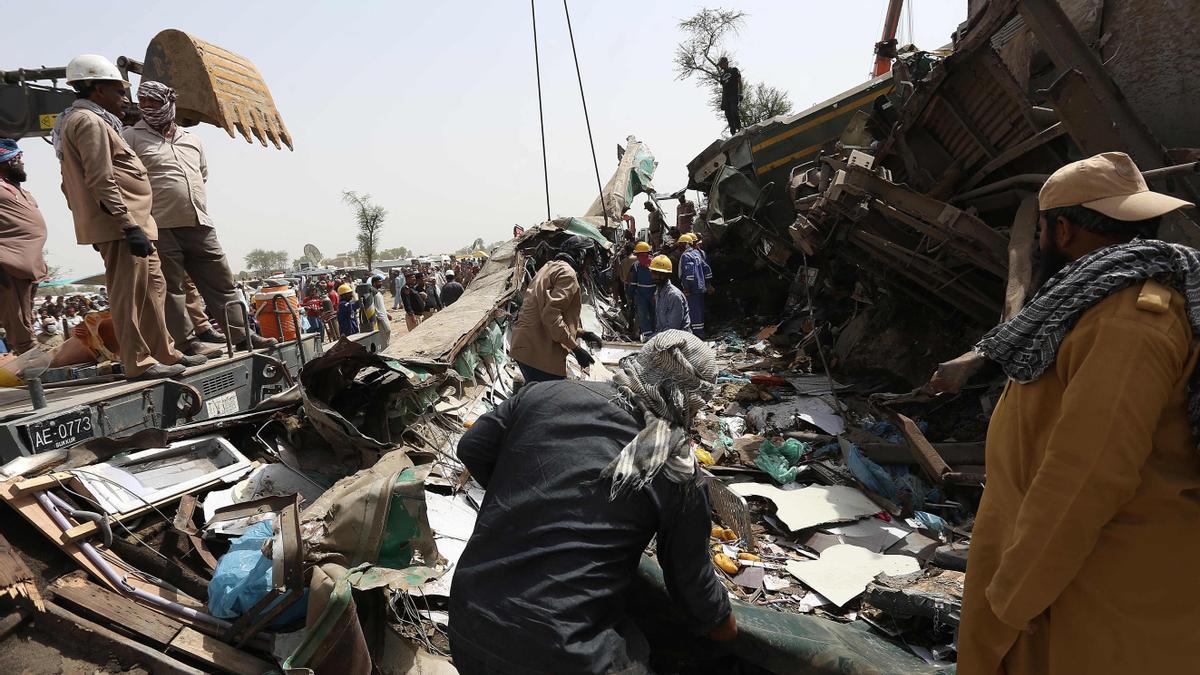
1086	546
579	477
548	324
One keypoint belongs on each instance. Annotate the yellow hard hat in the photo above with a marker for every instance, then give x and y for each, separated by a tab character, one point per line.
344	289
641	247
661	264
687	238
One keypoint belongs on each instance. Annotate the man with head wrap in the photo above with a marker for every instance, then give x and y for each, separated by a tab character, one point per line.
548	327
1084	551
579	477
187	241
22	238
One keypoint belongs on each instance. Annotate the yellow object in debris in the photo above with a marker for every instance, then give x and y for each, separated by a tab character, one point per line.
728	535
716	531
704	457
749	556
728	565
468	423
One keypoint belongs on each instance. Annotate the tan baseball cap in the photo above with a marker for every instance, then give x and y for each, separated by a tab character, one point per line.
1109	183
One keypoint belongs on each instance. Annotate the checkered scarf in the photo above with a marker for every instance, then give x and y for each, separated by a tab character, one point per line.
669	380
81	104
1027	345
161	119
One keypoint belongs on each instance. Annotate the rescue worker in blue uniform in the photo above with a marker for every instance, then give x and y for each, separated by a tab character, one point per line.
641	290
694	276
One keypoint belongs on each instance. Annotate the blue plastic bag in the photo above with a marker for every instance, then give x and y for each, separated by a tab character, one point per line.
243	577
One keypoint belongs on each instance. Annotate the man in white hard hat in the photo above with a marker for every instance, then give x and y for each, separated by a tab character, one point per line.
22	238
187	241
109	195
1084	552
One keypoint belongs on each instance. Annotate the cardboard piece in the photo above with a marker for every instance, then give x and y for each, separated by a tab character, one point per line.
813	505
844	571
872	534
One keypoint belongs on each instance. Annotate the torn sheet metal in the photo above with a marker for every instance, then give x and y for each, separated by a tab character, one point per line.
779	417
129	483
844	571
349	395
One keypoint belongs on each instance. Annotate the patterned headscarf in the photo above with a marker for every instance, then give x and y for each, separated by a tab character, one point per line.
159	120
1026	346
670	379
8	150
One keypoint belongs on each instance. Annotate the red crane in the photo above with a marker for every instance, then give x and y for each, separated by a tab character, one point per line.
885	49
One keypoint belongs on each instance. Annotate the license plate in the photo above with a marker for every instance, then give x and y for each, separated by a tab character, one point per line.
225	404
62	431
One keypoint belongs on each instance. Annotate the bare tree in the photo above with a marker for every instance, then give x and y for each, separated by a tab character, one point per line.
705	35
370	224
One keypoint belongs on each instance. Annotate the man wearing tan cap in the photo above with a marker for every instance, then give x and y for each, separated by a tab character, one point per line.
1085	551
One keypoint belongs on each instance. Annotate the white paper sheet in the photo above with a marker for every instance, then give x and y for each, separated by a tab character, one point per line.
844	571
813	505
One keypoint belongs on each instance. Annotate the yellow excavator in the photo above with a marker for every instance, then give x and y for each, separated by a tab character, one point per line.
214	85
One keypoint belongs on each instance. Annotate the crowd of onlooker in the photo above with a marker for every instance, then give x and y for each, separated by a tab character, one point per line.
57	315
344	303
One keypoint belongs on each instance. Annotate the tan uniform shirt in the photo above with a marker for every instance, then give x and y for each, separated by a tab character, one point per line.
22	234
549	319
105	183
178	172
1084	551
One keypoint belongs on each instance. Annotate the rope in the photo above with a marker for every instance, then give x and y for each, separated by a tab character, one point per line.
595	164
537	66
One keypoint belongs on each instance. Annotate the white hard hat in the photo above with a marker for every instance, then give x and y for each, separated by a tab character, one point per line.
92	67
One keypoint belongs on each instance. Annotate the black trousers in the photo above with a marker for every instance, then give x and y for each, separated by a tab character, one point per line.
731	116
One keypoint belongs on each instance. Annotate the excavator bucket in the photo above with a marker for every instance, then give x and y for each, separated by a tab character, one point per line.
215	85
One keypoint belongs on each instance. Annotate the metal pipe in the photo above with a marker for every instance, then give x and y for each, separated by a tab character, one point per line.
36	393
93	555
245	326
1037	179
1168	171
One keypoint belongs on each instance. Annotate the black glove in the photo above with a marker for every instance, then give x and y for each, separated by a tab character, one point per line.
584	357
139	243
591	339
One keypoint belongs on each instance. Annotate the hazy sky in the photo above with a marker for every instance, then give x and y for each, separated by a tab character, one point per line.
432	107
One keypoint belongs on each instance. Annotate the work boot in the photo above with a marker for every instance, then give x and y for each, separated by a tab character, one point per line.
189	360
198	348
211	337
160	371
257	342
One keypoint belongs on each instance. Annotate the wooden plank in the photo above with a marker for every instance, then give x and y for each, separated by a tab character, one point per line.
218	654
39	484
15	576
116	609
31	510
63	625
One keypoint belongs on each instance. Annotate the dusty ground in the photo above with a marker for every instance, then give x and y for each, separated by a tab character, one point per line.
25	652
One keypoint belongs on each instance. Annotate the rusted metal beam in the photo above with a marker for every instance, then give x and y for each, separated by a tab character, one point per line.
1066	47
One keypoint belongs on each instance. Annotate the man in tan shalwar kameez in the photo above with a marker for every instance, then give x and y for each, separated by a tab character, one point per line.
1086	548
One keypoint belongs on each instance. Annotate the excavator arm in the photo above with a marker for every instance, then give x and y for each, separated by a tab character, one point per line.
214	85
